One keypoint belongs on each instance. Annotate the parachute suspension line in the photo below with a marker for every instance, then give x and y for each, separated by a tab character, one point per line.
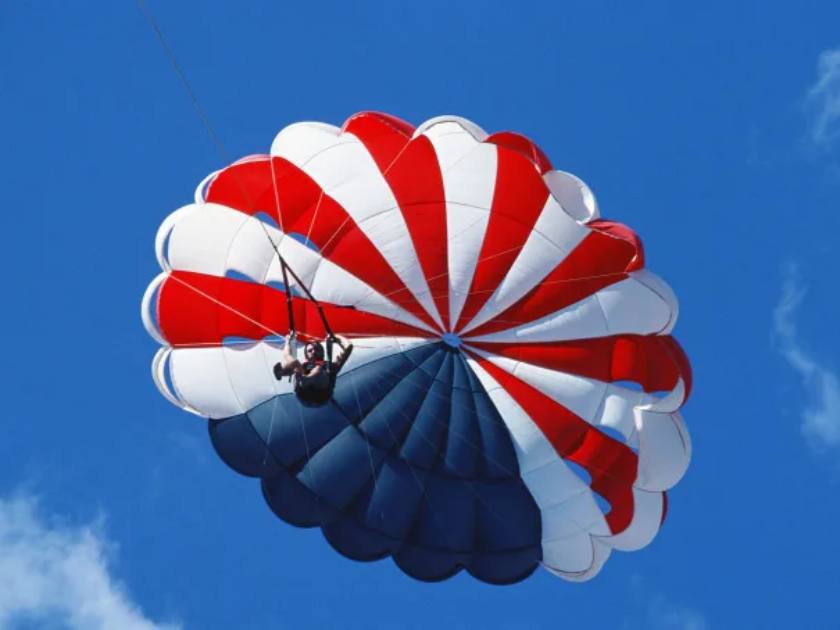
288	293
224	306
373	472
309	295
286	269
276	194
183	77
504	523
224	154
421	391
315	216
205	119
220	147
450	434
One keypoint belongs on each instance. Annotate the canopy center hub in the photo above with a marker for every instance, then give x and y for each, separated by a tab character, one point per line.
452	340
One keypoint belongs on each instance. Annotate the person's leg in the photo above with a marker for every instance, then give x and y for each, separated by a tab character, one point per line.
290	348
288	364
286	368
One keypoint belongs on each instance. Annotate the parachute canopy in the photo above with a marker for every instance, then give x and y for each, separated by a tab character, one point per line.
513	397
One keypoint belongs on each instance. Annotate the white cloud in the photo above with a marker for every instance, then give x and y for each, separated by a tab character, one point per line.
654	611
54	574
821	415
823	100
665	615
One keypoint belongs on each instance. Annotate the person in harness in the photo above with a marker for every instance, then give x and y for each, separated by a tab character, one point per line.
314	378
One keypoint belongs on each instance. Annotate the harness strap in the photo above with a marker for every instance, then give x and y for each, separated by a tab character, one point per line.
287	269
288	294
329	352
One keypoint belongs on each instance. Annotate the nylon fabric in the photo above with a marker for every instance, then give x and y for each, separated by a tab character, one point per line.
514	396
375	412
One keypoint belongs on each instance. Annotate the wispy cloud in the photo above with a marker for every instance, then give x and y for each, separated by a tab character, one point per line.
823	100
665	615
53	574
658	612
821	415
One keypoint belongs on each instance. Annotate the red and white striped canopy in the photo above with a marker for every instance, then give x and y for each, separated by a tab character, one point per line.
441	234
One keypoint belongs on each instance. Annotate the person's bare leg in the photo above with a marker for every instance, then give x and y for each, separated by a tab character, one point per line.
289	350
288	364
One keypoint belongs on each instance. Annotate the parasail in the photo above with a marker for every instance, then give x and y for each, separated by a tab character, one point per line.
514	394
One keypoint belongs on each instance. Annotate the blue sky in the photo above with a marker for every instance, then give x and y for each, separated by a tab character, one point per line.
712	130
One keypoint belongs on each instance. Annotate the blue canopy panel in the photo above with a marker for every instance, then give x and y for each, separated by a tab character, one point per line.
410	459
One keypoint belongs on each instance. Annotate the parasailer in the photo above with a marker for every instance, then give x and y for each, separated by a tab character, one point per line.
514	390
314	378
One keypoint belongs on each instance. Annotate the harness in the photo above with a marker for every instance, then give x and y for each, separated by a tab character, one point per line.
284	266
310	395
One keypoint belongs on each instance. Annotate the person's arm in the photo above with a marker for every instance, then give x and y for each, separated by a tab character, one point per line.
314	371
346	348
